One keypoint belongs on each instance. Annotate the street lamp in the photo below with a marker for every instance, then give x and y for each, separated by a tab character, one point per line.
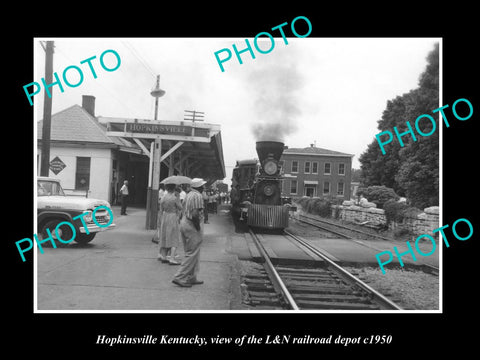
156	93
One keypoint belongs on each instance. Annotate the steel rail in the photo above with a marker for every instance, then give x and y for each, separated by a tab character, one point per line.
323	228
341	226
272	272
431	269
378	297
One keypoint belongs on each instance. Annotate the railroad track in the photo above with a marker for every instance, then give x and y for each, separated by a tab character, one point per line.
320	224
325	288
326	225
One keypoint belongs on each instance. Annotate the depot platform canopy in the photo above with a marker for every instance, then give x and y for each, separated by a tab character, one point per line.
189	148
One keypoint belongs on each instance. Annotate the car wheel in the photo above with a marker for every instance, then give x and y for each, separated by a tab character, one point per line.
84	238
64	231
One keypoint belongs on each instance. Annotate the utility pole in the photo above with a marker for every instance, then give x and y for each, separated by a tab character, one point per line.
47	112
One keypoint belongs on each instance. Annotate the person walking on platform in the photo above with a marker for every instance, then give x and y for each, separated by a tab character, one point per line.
191	230
124	197
212	202
169	231
161	192
205	206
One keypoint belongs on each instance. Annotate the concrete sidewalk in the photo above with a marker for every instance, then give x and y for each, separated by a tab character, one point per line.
119	270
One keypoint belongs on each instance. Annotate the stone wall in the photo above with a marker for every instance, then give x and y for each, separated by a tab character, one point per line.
367	214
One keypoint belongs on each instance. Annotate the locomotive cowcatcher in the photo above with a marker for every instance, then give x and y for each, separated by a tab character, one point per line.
257	189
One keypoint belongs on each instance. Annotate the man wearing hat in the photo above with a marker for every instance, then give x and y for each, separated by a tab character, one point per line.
191	229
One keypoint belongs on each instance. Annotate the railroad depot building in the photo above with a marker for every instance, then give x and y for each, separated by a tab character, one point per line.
90	161
316	172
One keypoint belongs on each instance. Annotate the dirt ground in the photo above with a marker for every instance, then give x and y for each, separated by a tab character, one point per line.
410	289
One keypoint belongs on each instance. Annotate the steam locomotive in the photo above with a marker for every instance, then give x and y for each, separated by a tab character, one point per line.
257	189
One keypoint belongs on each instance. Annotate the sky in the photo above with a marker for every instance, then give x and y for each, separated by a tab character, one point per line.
326	91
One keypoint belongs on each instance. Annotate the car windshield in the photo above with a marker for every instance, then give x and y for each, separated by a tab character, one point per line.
49	188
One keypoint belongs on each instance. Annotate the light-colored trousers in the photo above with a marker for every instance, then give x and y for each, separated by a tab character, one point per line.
192	240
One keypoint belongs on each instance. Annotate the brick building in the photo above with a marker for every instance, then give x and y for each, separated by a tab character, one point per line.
316	172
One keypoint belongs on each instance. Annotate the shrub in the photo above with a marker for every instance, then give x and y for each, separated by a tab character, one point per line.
394	211
316	206
323	207
303	202
398	211
378	194
412	212
312	205
336	212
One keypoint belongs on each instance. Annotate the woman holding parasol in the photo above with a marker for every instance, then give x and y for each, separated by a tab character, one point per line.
169	218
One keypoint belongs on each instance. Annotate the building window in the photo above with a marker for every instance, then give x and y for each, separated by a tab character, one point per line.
326	188
293	187
294	166
327	169
314	167
82	175
340	188
341	169
280	167
307	167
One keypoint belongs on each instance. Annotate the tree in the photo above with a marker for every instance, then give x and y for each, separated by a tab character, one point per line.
412	170
356	175
379	169
418	173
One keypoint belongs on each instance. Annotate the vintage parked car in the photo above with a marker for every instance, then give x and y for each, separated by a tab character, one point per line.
54	207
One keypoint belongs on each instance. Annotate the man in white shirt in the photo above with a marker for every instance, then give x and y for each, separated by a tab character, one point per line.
124	197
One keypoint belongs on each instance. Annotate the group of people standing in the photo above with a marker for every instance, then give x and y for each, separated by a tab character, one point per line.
181	218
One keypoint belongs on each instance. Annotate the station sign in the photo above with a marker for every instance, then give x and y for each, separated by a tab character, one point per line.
170	130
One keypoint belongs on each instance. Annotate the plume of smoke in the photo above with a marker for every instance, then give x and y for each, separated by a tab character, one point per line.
275	90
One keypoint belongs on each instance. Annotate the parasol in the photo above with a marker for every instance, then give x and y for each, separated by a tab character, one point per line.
176	179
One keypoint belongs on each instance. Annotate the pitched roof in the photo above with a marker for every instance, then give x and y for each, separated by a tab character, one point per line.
313	150
76	125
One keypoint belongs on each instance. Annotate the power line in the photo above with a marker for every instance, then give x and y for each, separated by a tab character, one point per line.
97	83
131	49
139	58
142	61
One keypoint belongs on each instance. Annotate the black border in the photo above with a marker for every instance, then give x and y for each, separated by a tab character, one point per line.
53	334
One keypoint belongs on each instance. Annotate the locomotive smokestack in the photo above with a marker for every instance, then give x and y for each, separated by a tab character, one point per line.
264	148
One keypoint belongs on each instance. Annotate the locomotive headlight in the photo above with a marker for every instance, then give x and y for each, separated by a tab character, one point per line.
269	190
270	167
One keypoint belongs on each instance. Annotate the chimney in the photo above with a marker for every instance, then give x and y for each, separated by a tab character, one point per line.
264	148
88	103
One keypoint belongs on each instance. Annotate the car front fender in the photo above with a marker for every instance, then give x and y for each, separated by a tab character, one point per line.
45	216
